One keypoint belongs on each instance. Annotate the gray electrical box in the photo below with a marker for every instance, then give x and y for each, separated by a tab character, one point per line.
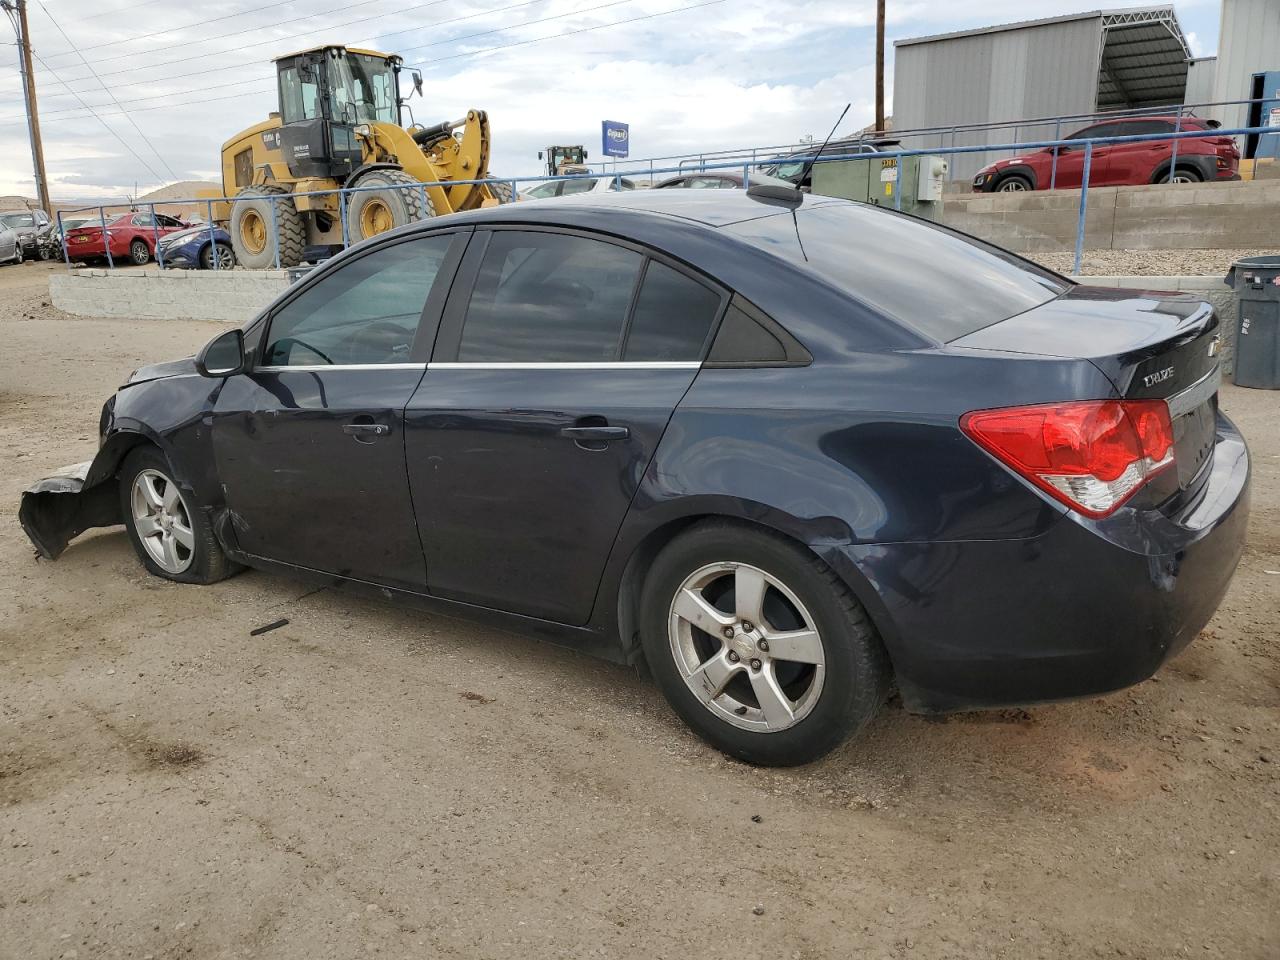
877	180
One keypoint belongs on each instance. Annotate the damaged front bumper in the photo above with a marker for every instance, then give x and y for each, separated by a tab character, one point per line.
61	507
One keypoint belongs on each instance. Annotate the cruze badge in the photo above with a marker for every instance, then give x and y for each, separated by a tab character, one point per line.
1160	376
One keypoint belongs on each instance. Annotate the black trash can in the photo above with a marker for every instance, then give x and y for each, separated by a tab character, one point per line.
1256	281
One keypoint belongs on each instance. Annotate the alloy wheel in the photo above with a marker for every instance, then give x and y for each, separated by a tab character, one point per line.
162	521
746	647
1012	186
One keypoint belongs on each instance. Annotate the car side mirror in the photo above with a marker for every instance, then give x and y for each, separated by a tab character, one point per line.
223	356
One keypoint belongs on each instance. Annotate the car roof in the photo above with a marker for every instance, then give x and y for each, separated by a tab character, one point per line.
707	208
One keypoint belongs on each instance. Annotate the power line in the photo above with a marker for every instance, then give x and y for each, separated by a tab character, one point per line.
428	64
229	16
124	143
132	122
437	23
236	83
245	46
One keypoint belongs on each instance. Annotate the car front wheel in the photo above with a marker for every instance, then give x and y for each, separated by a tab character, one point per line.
170	534
1015	183
758	646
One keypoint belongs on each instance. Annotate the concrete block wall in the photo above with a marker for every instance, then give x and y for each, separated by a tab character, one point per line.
153	294
1239	215
1212	289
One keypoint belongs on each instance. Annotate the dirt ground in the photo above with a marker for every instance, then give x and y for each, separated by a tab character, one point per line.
369	781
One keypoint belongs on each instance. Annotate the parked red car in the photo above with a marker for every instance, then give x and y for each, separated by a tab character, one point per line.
132	238
1118	164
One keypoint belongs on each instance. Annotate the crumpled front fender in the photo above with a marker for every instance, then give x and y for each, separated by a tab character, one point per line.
61	507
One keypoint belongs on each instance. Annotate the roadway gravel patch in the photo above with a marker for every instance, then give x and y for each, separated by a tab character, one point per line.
366	780
1146	263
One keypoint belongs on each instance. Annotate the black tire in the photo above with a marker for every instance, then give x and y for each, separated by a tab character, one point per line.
857	669
502	190
17	254
372	212
208	564
252	209
226	256
139	253
1190	175
1014	183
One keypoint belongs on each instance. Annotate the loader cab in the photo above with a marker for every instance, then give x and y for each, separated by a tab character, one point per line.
325	94
559	158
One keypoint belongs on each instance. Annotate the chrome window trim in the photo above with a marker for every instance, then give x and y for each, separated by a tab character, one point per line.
343	366
1200	391
570	365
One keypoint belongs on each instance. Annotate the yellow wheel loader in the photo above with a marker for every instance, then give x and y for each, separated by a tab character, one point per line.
340	125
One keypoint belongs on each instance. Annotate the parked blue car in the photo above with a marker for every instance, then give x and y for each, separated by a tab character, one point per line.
194	248
793	451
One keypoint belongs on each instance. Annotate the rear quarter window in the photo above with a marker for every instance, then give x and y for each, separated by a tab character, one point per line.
931	279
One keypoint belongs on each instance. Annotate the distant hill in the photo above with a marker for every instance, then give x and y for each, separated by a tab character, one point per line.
182	190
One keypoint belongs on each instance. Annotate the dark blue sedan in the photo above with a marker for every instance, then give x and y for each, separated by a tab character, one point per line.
792	451
197	247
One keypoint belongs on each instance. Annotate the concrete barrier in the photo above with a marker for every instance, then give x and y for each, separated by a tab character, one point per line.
154	294
1212	289
1207	216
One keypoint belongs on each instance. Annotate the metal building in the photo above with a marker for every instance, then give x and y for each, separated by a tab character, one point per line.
1075	64
1248	47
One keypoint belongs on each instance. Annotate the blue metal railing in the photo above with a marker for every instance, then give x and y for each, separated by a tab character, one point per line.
746	168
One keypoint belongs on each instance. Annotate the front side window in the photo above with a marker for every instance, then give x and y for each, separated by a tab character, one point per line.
546	297
365	312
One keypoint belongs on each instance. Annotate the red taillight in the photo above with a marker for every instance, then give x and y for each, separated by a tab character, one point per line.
1092	454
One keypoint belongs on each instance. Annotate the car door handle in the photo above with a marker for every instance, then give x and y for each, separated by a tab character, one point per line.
602	432
362	431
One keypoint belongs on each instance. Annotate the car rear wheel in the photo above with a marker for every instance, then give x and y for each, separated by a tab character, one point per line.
1182	175
1014	183
139	252
758	646
226	257
170	534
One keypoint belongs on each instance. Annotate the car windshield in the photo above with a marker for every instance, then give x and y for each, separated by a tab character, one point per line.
17	219
930	278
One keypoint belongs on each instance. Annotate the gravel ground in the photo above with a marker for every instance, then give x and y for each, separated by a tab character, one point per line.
374	781
1168	263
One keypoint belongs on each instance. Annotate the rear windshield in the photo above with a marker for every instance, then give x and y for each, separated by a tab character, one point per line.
927	277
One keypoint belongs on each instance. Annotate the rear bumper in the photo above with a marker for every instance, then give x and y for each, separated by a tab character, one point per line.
1083	609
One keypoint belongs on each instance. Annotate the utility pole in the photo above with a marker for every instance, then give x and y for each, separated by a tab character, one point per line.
19	7
879	66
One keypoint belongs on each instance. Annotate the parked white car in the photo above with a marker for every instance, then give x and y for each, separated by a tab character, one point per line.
565	188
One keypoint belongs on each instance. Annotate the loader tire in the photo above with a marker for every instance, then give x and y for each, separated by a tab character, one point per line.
501	190
371	212
250	228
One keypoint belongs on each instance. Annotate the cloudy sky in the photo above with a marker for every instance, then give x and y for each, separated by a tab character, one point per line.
170	81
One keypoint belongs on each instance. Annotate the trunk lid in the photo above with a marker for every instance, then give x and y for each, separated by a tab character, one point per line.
1151	345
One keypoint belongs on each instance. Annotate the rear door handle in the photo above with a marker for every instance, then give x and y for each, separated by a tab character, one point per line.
595	433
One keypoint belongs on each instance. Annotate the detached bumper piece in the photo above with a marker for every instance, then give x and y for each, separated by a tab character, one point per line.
58	508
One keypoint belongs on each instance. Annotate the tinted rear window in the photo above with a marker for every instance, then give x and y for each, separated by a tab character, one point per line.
932	279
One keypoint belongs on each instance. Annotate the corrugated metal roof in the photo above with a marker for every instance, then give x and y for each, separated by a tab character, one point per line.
1144	59
1028	24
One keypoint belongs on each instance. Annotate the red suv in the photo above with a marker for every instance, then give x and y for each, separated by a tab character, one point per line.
1117	164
